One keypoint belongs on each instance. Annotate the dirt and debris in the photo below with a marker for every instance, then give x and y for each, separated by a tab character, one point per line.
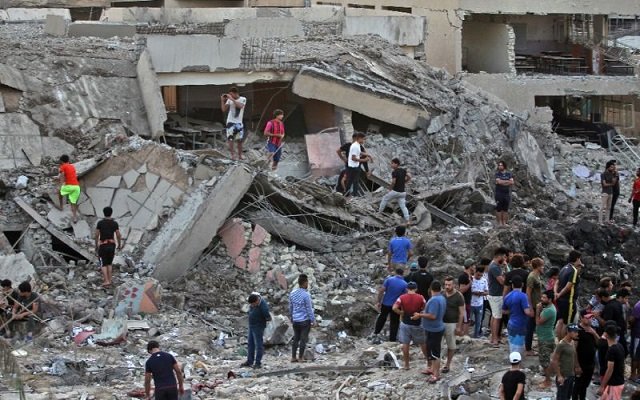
272	228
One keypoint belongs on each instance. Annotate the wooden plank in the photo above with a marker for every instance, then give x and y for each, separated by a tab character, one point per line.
52	229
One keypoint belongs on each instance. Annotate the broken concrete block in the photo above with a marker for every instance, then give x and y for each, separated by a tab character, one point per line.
175	194
81	230
56	25
151	94
134	236
135	298
192	227
61	219
142	169
114	331
100	197
141	196
141	219
232	234
132	205
100	29
254	260
203	172
151	180
112	182
321	161
2	107
119	203
16	268
276	331
130	178
153	223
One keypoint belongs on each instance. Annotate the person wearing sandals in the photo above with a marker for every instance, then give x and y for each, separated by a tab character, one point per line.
433	324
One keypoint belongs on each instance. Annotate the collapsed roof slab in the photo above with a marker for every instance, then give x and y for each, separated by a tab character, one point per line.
312	83
187	234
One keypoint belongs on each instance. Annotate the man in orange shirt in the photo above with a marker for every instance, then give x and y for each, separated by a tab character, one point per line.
70	186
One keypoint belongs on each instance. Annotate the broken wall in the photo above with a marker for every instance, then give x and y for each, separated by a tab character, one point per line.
151	95
486	47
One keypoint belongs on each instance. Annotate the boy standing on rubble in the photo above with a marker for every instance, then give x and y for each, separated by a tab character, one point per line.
274	131
504	181
70	187
397	191
234	103
107	232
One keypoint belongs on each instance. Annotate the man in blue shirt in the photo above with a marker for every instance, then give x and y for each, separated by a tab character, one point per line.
517	306
258	317
399	250
164	369
504	181
392	288
433	324
302	317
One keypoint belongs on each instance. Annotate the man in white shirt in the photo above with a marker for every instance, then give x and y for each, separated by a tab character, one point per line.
354	159
234	103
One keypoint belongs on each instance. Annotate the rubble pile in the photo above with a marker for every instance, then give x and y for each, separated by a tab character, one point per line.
202	232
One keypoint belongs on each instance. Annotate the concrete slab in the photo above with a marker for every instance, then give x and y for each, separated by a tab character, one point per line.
61	219
112	182
130	178
100	29
119	203
56	25
81	230
132	205
16	268
114	331
140	197
100	197
135	298
400	30
151	94
86	208
135	235
35	14
142	169
12	77
175	193
254	260
151	180
264	28
17	133
182	53
141	219
313	83
182	239
232	234
323	161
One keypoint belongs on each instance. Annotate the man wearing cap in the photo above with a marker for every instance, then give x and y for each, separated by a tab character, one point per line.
545	318
464	287
564	363
586	351
612	383
410	330
392	288
513	381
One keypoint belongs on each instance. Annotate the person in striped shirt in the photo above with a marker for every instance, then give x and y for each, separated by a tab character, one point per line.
302	317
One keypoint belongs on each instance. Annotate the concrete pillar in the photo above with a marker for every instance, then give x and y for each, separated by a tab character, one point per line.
344	123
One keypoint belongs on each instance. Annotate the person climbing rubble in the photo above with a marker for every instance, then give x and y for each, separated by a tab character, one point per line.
259	315
164	369
274	131
69	186
400	250
108	239
234	104
343	153
400	177
504	181
355	158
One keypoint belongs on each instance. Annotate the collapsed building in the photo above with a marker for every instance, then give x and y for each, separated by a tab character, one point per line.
133	97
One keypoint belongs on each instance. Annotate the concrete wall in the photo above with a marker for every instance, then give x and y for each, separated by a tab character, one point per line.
32	14
485	47
222	77
203	3
519	91
189	53
151	95
265	28
101	29
619	7
405	31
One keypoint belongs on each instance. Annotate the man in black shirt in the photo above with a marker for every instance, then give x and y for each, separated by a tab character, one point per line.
107	231
399	178
421	277
464	287
518	268
513	381
26	309
586	353
614	311
612	383
164	369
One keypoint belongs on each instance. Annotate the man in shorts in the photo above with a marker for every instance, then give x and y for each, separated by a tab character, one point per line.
70	187
545	319
107	233
517	306
433	323
496	283
234	104
566	292
504	181
453	319
410	330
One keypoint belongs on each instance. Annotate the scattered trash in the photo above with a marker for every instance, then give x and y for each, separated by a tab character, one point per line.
21	182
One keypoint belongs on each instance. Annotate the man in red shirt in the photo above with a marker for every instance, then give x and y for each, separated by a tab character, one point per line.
274	131
406	305
635	197
70	186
